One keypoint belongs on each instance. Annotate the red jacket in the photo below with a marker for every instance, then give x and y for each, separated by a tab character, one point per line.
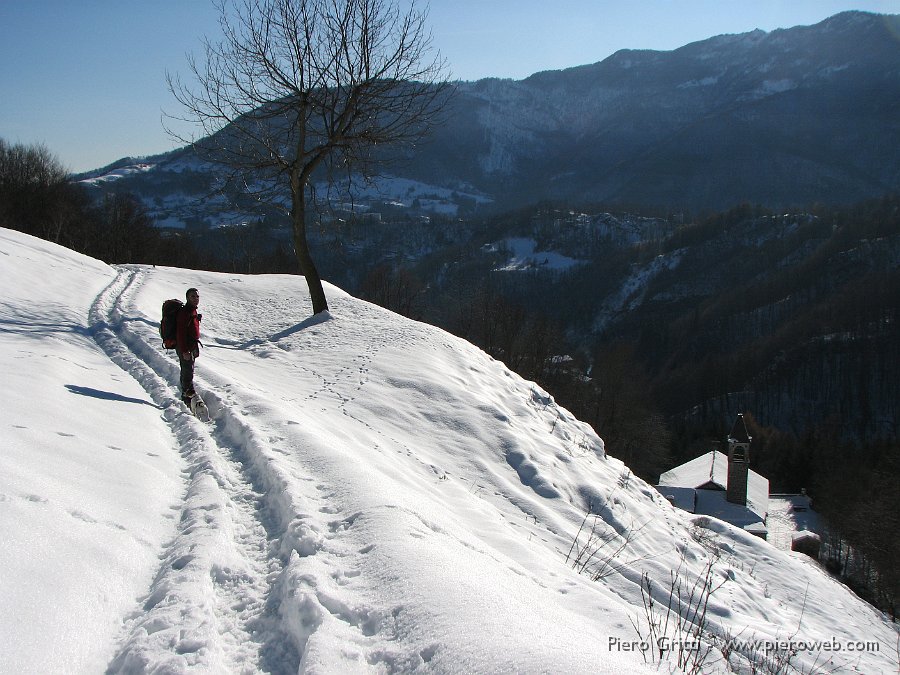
187	332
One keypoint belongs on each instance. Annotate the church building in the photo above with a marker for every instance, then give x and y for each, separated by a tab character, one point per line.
722	486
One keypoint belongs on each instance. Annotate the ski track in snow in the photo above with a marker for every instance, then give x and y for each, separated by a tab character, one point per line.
227	514
248	526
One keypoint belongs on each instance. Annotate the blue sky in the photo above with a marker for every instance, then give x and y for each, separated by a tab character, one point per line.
87	77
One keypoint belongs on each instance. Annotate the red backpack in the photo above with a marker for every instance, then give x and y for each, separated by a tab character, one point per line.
168	325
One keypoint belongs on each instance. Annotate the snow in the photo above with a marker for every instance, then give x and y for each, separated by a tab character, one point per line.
117	174
365	193
769	87
704	82
373	495
634	289
175	209
525	256
788	516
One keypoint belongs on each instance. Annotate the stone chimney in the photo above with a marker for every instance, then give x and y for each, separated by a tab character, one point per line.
738	463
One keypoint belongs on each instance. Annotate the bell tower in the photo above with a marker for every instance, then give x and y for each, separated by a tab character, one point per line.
738	462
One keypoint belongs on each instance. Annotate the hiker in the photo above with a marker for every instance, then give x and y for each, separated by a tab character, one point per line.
188	342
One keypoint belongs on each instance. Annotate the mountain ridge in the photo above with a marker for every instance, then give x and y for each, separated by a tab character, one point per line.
734	118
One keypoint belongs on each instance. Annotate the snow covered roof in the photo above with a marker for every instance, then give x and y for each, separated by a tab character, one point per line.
683	498
713	468
713	503
805	534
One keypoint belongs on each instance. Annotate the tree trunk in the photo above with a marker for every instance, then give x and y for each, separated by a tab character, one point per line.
304	259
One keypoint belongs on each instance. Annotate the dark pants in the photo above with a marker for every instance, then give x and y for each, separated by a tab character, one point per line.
187	375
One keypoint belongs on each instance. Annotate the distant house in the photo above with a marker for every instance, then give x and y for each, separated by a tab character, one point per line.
722	486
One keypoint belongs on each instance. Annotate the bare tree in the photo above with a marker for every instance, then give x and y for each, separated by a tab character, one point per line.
33	187
298	89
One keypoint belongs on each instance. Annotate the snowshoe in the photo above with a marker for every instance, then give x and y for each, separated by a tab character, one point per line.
196	406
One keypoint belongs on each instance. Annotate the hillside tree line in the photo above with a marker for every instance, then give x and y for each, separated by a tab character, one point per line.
37	197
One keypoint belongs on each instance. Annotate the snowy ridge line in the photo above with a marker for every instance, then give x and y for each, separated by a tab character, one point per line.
223	541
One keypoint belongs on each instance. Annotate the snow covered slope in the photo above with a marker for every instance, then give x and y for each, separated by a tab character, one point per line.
373	495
